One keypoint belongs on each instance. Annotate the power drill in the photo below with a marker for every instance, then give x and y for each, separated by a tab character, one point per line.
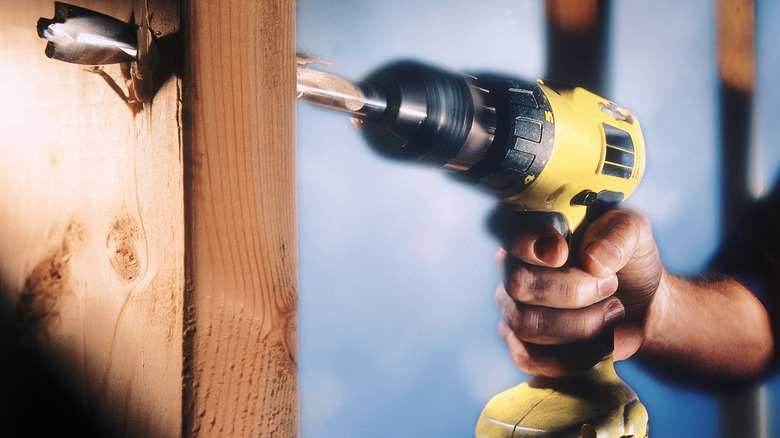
542	148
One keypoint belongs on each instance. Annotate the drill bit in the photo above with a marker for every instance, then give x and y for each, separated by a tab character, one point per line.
330	91
83	36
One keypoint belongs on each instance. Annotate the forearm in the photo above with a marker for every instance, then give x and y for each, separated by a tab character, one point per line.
713	328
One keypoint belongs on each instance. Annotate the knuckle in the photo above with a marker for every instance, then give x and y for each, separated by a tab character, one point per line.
613	241
524	285
624	227
589	328
500	294
500	257
578	292
529	323
522	363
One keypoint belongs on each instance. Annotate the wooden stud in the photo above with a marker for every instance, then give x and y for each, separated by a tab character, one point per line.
115	225
239	99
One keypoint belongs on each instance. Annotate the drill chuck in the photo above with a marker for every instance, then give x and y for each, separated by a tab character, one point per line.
489	129
432	116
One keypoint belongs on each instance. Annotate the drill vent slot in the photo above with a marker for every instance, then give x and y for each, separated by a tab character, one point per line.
619	158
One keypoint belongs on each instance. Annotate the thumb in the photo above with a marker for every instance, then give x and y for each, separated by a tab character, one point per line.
532	237
620	238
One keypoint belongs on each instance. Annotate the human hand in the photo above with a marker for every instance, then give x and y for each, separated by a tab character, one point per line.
549	300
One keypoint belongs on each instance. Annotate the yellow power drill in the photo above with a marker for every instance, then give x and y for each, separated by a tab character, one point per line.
540	147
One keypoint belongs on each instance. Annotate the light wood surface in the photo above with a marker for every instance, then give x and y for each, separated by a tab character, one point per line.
113	223
240	120
92	235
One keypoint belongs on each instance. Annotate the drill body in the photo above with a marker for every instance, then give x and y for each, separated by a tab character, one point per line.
539	147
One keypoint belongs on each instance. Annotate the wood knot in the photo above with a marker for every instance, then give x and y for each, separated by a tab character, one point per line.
125	248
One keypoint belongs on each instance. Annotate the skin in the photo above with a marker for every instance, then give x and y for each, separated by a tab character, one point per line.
712	328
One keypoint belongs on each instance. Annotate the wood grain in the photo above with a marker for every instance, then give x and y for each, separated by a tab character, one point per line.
241	372
92	228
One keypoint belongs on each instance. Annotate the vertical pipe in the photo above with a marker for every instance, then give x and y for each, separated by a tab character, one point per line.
736	67
577	36
744	412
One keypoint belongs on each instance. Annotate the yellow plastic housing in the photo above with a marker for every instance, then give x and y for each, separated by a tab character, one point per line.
583	123
595	404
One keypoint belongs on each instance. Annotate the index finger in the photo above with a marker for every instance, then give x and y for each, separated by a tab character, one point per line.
530	237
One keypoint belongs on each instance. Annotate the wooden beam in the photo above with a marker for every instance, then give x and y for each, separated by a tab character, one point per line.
91	238
239	97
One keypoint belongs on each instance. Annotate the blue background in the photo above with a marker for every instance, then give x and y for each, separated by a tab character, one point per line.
398	323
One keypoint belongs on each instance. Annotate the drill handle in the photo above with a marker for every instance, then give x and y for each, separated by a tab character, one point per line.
503	223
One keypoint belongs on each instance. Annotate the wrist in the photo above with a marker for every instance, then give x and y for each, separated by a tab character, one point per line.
656	322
